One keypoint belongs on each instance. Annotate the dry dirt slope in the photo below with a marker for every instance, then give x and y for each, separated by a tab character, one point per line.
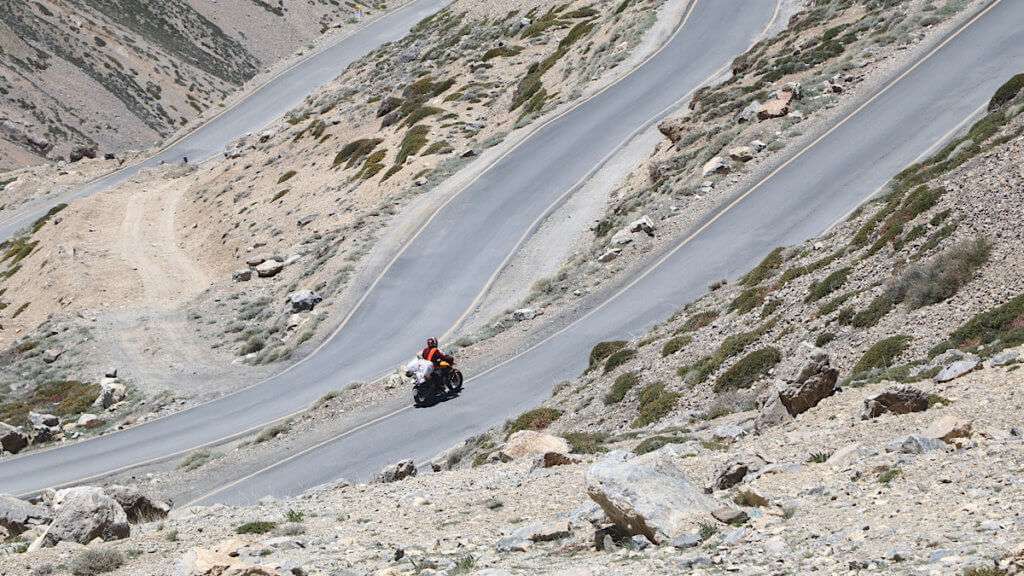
118	74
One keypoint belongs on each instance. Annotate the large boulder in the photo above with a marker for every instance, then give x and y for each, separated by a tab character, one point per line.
530	443
958	368
648	495
805	379
111	392
12	438
304	300
139	507
736	469
776	107
716	165
269	268
948	428
84	513
398	471
895	400
17	516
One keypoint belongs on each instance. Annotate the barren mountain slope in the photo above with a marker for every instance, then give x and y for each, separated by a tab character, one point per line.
102	76
781	94
894	448
183	271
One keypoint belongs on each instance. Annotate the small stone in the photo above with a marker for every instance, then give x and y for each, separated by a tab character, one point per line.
731	516
269	268
241	275
684	541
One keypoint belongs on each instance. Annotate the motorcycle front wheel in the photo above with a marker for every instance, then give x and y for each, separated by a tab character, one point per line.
455	381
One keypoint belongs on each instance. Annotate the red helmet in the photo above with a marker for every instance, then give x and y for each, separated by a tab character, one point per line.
431	342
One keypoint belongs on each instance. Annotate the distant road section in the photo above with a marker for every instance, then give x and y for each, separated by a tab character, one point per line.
265	105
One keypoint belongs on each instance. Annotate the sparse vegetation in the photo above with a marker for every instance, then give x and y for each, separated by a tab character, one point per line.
618	359
256	527
941	277
748	369
675	345
90	561
622	385
603	350
655	402
286	176
587	442
196	460
1004	324
828	285
653	443
882	355
819	457
272	431
536	419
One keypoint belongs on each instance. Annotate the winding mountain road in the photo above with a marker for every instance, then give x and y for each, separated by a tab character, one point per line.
491	215
264	105
484	223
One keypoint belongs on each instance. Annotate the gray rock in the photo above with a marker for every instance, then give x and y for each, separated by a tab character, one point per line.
730	515
741	153
684	541
389	105
647	495
716	165
40	419
895	400
17	516
12	438
241	275
137	506
304	300
398	471
690	562
269	268
543	531
84	513
736	469
513	544
807	378
524	314
735	536
749	114
1005	357
51	355
957	369
111	392
729	432
915	444
643	224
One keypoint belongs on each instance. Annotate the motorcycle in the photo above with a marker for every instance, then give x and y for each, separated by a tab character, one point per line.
445	380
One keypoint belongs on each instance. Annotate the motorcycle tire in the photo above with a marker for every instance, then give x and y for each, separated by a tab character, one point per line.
455	381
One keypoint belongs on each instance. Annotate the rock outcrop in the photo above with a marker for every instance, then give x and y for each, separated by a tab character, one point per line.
84	513
895	400
647	495
806	379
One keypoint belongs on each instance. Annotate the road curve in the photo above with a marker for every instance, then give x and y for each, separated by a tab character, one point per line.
797	202
438	276
265	105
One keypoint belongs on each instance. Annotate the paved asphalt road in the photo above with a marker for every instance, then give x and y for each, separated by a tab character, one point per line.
259	109
430	286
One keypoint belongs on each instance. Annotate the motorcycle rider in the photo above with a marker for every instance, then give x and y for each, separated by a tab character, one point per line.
434	355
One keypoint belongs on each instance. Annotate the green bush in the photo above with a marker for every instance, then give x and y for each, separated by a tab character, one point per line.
286	176
765	270
879	307
1006	92
675	345
623	384
698	321
941	277
602	350
828	285
747	300
748	369
353	152
1004	323
653	443
414	141
882	354
655	403
536	419
618	359
587	442
92	561
256	527
501	52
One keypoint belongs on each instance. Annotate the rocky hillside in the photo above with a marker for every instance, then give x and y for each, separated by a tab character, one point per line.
185	277
86	77
781	94
850	405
